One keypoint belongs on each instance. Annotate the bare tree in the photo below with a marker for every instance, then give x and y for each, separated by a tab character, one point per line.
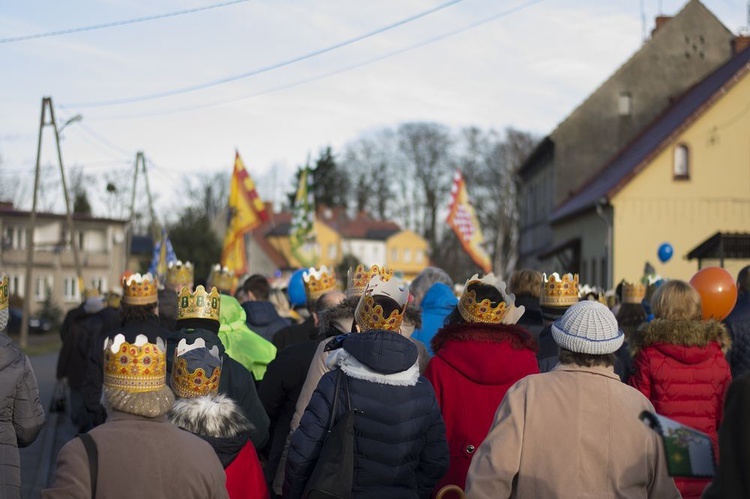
370	161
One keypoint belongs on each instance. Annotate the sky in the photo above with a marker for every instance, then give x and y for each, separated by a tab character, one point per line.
190	89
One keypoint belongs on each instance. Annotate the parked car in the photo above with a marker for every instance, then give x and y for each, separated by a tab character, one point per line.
37	325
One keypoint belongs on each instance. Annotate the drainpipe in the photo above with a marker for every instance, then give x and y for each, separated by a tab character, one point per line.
600	204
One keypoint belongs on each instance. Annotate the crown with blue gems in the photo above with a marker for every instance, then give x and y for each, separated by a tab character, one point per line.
136	367
370	316
196	370
199	304
473	310
559	291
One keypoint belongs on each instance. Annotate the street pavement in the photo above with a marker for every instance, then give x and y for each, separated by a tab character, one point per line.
38	459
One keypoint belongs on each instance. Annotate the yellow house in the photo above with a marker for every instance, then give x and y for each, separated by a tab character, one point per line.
328	246
406	252
685	178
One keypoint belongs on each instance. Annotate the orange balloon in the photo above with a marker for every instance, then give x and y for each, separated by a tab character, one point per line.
718	292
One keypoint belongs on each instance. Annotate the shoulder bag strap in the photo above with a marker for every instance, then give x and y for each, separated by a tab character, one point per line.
93	456
335	401
348	397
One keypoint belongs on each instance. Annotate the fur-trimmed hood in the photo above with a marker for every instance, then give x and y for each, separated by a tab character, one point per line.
517	336
682	334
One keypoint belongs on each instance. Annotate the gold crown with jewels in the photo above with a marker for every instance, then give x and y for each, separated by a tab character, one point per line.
559	291
319	282
358	278
139	289
4	291
369	315
199	304
135	367
180	274
197	369
222	278
473	310
633	293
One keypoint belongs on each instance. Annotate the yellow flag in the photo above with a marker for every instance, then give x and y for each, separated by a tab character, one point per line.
463	220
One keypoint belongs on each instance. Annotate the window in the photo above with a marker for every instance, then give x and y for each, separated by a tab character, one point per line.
99	283
407	255
331	251
80	240
14	238
625	104
394	255
71	293
681	168
419	256
15	285
42	287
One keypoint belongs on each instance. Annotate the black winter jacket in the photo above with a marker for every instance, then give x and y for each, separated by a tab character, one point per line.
236	382
296	333
263	318
738	324
400	445
532	319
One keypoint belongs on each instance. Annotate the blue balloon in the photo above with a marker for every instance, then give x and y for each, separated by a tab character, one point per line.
665	252
296	289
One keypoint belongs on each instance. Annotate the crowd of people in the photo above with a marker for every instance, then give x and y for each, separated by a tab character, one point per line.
377	388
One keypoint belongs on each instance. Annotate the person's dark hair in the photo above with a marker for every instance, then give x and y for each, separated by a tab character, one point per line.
483	292
388	304
743	281
137	313
586	359
258	286
630	317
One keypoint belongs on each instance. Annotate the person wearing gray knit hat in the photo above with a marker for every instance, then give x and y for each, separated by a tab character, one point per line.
588	327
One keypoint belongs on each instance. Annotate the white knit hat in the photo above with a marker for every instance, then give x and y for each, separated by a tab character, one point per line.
588	327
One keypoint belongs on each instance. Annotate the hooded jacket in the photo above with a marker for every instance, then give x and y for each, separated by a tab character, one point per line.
400	449
243	345
738	324
680	367
21	414
219	421
263	318
236	382
473	367
438	302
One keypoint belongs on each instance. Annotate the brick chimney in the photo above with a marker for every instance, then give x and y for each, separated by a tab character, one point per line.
661	21
740	43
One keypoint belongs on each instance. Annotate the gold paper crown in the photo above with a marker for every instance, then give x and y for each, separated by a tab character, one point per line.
358	278
198	382
179	274
591	293
369	315
317	283
4	291
633	293
198	305
483	312
221	278
138	367
557	292
139	289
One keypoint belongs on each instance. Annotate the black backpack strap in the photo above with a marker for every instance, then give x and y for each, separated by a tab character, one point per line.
335	401
93	455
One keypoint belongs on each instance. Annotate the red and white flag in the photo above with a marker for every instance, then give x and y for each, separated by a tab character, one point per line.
463	220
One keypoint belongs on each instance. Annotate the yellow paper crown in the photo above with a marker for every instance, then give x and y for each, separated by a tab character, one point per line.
198	305
134	367
358	278
633	293
319	282
196	374
559	292
179	274
4	291
483	311
139	289
221	278
369	315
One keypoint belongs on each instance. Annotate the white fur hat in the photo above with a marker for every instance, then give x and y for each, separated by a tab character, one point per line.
588	327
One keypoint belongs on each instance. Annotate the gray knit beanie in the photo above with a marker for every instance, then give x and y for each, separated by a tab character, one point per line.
588	327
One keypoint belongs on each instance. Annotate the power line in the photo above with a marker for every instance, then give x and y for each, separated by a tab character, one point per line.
345	69
117	23
265	69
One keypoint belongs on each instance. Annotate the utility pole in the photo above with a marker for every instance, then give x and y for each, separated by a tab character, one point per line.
140	165
28	288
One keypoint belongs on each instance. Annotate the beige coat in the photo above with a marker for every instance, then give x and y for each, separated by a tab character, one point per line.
572	432
140	457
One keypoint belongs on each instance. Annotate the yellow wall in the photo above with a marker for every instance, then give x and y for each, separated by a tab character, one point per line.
653	208
406	246
329	246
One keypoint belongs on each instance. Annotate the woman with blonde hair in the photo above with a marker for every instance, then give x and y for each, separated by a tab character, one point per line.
680	366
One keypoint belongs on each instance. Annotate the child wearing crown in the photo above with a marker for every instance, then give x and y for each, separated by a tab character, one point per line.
479	354
399	444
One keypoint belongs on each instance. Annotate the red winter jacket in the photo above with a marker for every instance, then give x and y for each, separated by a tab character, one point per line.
681	368
473	367
245	477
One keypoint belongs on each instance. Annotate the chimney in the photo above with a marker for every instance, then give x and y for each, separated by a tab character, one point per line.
740	43
661	21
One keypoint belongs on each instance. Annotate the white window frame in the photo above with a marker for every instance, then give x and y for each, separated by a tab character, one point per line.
681	162
625	104
40	291
16	285
71	293
407	255
394	254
